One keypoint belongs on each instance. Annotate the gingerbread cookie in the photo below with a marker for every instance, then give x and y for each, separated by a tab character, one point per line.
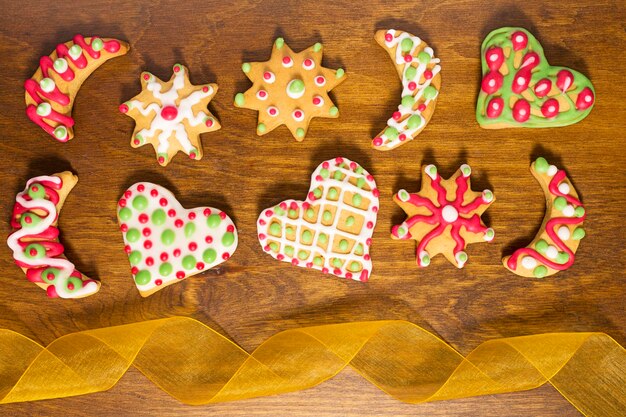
444	216
167	243
291	89
171	115
35	238
50	92
520	89
554	247
331	230
419	71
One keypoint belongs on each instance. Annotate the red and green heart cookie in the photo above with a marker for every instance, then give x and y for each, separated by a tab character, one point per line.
167	243
520	89
331	230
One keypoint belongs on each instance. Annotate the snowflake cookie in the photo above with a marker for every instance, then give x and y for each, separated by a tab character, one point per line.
331	230
444	216
291	89
171	115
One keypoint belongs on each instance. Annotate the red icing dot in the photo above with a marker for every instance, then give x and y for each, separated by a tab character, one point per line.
492	82
521	80
564	80
225	256
169	112
530	60
171	213
222	215
283	205
147	244
339	160
319	178
269	213
146	77
286	60
209	122
272	111
412	86
294	262
50	276
127	249
208	239
154	193
176	253
158	282
192	155
494	57
262	222
136	141
123	108
164	257
176	68
421	107
193	246
363	277
28	219
70	286
262	93
297	114
543	87
180	275
293	205
122	202
369	177
134	270
146	231
33	252
207	212
280	256
143	218
375	209
349	275
324	270
308	62
402	137
408	58
368	241
128	193
191	215
267	75
428	74
521	110
200	265
377	141
550	108
585	99
140	188
495	107
266	248
316	100
312	196
396	115
320	80
149	261
309	264
375	192
305	206
205	89
337	271
366	257
163	202
325	165
230	228
519	40
388	37
370	225
262	236
178	223
161	160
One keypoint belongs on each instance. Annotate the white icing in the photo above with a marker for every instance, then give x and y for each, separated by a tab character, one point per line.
569	210
64	266
552	252
44	109
466	168
449	214
75	52
167	128
431	171
181	241
552	170
529	262
564	188
459	262
489	235
332	231
563	233
424	259
406	112
60	65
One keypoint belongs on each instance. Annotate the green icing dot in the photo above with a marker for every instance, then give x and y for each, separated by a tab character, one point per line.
401	231
189	262
340	73
165	269
355	266
560	203
327	216
406	44
34	251
279	211
300	132
578	233
289	251
97	44
324	173
29	220
579	211
350	221
307	237
541	246
134	257
423	57
322	238
209	255
125	213
414	122
142	277
50	271
274	246
289	230
391	133
410	73
359	249
47	84
408	101
430	92
75	50
275	229
356	200
190	229
337	263
360	182
60	132
159	217
228	239
293	213
296	86
75	283
343	245
317	193
337	175
133	235
541	165
317	47
261	128
303	255
318	261
213	220
310	212
425	260
462	257
333	111
245	67
240	99
562	257
540	271
333	193
36	191
167	237
279	43
140	202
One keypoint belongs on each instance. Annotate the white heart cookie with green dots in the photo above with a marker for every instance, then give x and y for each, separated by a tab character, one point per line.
167	243
331	230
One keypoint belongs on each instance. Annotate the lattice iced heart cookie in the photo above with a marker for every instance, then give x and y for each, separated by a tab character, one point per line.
331	230
520	89
165	242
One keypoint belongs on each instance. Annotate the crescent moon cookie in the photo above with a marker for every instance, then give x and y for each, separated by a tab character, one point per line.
171	115
291	89
331	230
419	71
167	243
50	92
555	245
444	216
35	238
520	89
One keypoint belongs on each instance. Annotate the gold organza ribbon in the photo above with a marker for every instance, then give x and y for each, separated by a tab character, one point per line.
197	365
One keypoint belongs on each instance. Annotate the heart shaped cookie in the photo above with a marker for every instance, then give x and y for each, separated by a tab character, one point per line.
520	89
331	230
167	243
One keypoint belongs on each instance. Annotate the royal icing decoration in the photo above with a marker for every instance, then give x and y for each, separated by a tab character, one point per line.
444	216
331	230
555	246
167	243
171	115
291	89
419	71
35	239
520	89
50	92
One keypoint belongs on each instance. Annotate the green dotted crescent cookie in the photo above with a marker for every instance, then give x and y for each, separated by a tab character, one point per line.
167	243
520	89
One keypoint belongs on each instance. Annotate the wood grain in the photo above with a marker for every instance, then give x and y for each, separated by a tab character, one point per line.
252	296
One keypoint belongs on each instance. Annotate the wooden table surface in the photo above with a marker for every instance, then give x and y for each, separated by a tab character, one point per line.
252	296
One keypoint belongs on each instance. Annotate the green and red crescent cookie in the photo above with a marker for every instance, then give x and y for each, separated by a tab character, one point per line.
331	230
520	89
167	243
